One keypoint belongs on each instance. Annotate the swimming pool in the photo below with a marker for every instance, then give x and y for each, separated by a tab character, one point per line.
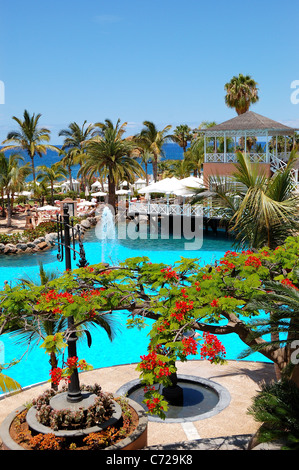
128	344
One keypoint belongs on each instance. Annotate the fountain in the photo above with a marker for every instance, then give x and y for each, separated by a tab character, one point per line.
192	398
105	229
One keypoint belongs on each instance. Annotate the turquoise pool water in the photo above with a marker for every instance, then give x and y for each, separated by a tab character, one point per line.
128	344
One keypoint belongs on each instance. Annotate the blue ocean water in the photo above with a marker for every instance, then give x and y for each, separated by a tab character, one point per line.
171	151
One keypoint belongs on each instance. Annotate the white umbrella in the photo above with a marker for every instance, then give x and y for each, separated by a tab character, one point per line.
98	194
96	184
86	203
168	185
86	191
47	208
122	191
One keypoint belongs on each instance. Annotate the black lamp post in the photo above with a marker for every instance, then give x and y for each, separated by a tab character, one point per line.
66	237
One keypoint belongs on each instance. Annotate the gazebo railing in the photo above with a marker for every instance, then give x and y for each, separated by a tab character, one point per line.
152	208
232	157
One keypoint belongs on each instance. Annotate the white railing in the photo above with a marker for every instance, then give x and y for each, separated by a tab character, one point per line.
152	208
232	157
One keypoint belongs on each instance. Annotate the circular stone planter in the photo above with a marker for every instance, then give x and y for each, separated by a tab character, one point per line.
219	402
136	440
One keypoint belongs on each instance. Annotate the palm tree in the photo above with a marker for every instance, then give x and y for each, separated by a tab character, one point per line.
12	178
70	158
241	92
30	138
109	156
26	332
182	134
260	210
154	140
75	139
50	175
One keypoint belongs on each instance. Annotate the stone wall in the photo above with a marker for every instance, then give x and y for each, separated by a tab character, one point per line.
43	243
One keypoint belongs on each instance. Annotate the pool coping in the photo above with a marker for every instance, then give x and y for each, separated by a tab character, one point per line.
223	394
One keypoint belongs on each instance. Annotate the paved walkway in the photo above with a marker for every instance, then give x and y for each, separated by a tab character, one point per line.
242	380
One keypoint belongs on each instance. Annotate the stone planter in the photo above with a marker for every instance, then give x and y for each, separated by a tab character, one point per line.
136	440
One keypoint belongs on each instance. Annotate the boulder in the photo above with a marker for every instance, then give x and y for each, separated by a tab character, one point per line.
42	245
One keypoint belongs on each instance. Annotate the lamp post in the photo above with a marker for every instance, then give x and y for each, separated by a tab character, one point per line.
66	237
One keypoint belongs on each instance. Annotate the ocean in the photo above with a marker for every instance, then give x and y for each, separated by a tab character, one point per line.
172	151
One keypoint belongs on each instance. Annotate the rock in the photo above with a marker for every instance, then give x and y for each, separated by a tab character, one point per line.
42	245
2	246
21	246
85	223
9	248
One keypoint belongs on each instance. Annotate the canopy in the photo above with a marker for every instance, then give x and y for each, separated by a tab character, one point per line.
47	208
168	185
96	184
98	194
174	186
86	203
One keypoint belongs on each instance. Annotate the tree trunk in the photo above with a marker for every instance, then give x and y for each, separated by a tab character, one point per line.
33	168
111	192
8	211
53	363
155	167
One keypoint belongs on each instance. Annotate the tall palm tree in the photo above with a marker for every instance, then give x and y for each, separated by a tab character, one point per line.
182	134
241	92
30	138
261	211
12	178
154	140
70	158
50	175
109	156
75	140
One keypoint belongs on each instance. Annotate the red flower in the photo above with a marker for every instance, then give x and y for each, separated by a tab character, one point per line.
169	273
214	303
189	346
253	261
288	282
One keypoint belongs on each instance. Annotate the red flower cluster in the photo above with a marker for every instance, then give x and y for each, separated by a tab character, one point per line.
205	276
151	362
214	303
288	282
153	404
189	346
212	347
56	375
169	273
253	261
231	253
88	294
163	327
198	288
228	264
181	308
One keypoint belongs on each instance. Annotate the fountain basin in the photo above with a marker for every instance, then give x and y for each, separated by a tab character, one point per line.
202	398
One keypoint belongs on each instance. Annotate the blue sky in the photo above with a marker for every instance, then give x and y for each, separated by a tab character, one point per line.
160	60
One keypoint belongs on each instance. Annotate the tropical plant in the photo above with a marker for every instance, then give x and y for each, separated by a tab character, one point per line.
276	408
30	138
182	134
70	158
260	210
51	175
51	326
109	156
75	141
12	178
241	92
153	140
213	300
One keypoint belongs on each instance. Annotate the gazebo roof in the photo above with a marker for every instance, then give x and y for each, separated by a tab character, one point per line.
251	123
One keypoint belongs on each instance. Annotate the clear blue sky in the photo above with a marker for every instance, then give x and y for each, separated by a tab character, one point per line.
160	60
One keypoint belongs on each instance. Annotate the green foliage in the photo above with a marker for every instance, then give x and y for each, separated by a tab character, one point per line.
277	407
